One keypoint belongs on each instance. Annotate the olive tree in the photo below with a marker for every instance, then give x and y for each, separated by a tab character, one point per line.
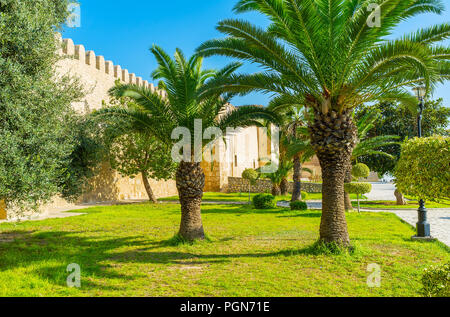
36	141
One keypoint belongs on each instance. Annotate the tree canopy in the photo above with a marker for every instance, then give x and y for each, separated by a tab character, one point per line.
395	119
35	141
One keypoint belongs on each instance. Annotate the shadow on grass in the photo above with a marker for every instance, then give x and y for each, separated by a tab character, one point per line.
49	254
241	210
303	215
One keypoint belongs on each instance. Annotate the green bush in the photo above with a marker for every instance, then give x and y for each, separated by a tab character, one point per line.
264	201
251	175
360	171
436	281
305	195
423	169
299	205
358	188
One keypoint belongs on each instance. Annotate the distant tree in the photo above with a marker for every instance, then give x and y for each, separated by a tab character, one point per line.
133	153
84	161
277	177
251	176
359	171
36	142
402	121
368	146
140	153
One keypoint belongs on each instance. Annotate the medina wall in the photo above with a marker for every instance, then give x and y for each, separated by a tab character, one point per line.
98	75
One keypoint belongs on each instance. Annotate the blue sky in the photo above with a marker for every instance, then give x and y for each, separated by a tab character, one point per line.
123	31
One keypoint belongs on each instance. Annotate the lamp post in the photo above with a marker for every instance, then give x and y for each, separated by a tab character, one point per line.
423	227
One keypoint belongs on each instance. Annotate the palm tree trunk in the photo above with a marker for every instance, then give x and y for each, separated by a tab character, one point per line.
148	188
190	181
276	191
284	187
348	179
333	137
297	192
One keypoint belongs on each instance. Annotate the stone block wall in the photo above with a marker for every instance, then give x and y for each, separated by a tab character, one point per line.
237	185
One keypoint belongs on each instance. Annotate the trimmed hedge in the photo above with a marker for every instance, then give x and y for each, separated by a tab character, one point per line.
423	170
251	175
299	205
358	188
360	171
264	201
305	195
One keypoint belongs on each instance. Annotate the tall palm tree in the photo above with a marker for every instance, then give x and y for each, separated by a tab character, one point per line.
325	55
180	106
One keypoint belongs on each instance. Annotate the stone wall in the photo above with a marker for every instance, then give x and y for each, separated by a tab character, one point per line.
97	76
237	185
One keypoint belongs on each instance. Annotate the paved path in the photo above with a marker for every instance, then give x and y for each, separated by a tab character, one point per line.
381	191
439	220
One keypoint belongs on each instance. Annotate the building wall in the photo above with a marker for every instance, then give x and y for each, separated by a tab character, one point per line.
97	76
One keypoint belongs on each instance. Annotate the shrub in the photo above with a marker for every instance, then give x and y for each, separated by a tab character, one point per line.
360	171
305	195
436	281
264	201
251	175
423	169
358	188
299	205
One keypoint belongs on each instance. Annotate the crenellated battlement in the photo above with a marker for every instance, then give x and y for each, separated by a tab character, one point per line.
107	67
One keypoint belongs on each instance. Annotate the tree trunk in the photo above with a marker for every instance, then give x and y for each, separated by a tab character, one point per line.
297	192
333	137
401	201
148	188
284	187
190	181
348	179
276	191
3	212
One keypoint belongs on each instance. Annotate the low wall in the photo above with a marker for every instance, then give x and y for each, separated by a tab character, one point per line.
238	185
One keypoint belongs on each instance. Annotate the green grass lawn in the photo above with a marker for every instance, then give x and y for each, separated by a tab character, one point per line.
124	251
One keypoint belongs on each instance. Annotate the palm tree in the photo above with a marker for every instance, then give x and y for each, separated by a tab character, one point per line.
367	146
325	55
181	105
294	142
277	177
